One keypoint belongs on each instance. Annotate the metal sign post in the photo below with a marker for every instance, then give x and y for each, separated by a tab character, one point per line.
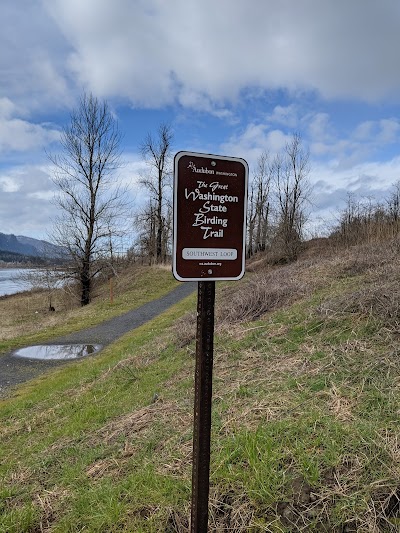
202	405
210	200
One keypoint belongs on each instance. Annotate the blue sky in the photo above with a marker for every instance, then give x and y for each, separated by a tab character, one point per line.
232	77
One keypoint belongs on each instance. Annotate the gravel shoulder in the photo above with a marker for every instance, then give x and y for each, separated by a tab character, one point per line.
15	370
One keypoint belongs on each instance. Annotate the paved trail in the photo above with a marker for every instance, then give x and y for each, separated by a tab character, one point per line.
14	370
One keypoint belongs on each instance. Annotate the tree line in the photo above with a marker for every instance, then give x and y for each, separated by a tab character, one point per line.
93	209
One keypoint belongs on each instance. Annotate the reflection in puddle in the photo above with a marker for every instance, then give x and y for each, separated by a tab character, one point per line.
58	351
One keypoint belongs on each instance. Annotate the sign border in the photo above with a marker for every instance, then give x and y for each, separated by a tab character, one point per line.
177	157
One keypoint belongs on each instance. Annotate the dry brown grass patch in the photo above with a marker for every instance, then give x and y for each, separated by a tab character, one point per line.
28	312
381	301
107	467
48	501
130	425
250	300
173	453
340	406
178	462
262	293
228	511
184	329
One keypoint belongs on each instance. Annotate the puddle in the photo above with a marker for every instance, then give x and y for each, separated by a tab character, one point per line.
60	352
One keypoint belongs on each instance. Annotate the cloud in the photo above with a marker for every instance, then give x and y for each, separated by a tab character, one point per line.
17	134
27	192
41	195
33	70
7	107
253	140
156	53
287	116
25	201
361	144
332	186
20	135
9	184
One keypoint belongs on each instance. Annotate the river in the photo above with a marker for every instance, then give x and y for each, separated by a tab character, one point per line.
9	282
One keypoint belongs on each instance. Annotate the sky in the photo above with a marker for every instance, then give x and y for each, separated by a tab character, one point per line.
231	77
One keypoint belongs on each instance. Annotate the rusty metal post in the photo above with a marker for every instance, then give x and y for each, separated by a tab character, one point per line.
202	406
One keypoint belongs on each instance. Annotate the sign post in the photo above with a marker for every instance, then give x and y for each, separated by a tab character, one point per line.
202	405
210	200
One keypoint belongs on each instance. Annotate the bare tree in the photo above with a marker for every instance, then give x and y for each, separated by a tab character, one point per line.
157	153
92	204
393	208
366	220
145	221
259	208
293	191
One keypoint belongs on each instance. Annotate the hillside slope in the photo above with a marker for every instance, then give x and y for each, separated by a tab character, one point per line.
305	413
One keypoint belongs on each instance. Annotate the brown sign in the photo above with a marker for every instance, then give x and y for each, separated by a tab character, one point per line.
210	199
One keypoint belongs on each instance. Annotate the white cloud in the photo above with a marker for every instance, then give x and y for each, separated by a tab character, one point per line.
9	184
365	180
41	195
285	115
389	130
26	208
361	144
33	71
155	52
20	135
133	167
7	107
17	134
253	141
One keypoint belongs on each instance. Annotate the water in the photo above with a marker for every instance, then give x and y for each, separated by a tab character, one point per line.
9	283
59	352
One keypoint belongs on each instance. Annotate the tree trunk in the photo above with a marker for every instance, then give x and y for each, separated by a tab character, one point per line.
85	285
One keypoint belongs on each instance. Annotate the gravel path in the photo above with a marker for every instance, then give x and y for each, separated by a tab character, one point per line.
14	370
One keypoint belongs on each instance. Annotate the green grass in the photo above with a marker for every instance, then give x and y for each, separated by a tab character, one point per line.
51	426
304	435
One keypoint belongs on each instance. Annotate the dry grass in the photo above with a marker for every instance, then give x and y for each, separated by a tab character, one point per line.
300	373
131	425
48	501
254	297
268	288
228	511
262	293
380	301
28	313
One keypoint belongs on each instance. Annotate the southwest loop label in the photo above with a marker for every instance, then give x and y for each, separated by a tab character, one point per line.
194	254
210	199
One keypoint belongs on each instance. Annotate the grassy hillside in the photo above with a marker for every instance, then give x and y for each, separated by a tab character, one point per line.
25	318
305	414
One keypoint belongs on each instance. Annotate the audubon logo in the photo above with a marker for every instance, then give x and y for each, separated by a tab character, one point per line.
201	170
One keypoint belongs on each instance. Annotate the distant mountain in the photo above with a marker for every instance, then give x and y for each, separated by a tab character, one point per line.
28	247
44	248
